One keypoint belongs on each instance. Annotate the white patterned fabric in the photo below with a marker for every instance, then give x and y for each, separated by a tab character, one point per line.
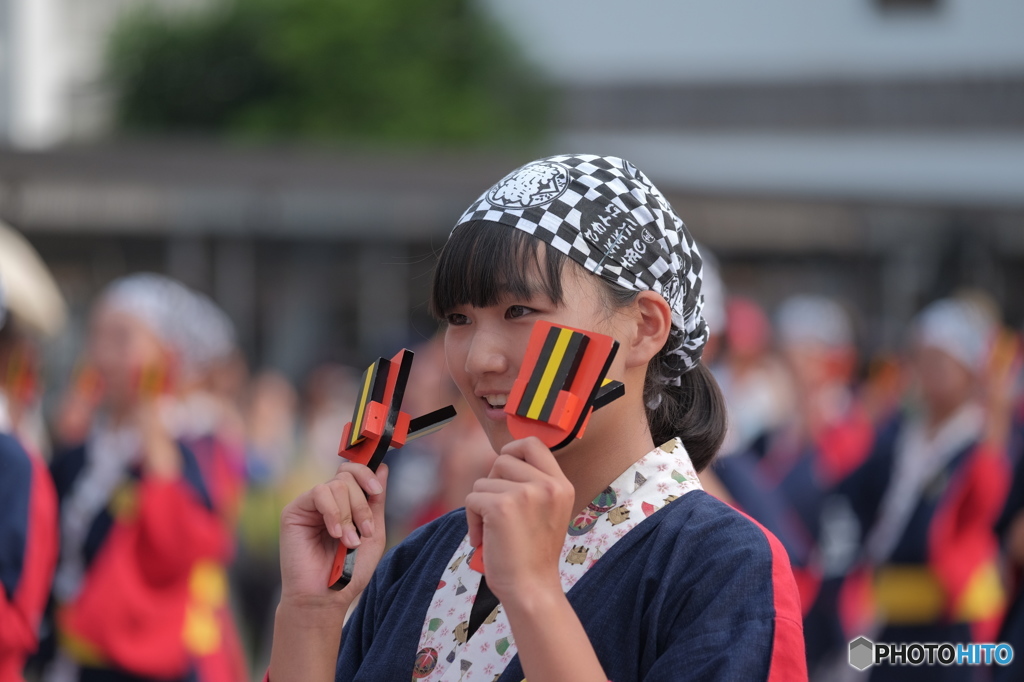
608	217
109	454
444	653
187	321
920	456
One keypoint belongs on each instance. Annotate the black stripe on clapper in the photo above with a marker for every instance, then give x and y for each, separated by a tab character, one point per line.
538	372
574	352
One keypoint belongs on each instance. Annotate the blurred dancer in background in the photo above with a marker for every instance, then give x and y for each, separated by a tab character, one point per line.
826	438
1010	526
931	490
758	395
756	385
30	306
270	409
138	523
36	311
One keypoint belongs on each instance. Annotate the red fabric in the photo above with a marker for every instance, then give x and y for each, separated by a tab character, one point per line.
21	612
227	663
223	468
432	510
808	582
789	660
843	447
856	602
132	605
806	579
961	537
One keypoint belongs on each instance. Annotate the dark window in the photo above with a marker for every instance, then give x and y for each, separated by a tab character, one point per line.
907	4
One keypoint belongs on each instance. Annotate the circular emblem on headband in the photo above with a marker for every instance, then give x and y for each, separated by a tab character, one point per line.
532	185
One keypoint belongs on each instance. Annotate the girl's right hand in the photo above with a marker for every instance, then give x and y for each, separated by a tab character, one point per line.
312	526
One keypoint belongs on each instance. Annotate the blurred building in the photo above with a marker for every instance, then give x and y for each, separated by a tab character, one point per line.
51	67
869	149
872	149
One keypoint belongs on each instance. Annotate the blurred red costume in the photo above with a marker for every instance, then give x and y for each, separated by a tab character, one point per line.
28	553
148	599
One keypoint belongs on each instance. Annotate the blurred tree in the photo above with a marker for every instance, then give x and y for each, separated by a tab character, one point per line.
389	70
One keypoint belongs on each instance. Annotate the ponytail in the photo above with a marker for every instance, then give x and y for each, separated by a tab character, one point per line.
694	411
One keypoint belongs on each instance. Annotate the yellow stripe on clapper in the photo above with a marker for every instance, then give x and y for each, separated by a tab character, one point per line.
554	361
364	398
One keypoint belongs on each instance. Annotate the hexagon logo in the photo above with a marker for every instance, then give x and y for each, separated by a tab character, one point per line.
862	653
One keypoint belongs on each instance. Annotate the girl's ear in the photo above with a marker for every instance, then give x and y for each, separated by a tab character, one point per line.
651	323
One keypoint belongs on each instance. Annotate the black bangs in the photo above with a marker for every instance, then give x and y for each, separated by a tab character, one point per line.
485	262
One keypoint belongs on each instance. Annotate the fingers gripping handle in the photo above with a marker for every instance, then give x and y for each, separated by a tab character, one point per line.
378	425
344	565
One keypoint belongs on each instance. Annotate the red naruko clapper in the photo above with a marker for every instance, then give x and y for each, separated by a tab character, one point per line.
561	382
378	425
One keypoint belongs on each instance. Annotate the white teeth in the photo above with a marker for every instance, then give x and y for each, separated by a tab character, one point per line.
496	400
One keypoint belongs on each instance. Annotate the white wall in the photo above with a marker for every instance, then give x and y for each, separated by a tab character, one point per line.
56	69
663	41
35	74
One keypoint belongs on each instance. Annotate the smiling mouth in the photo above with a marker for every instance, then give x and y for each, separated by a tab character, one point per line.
496	401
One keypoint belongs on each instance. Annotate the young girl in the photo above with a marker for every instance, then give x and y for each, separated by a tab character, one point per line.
135	593
607	559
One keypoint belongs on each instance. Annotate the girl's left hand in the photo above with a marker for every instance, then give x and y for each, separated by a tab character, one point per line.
521	512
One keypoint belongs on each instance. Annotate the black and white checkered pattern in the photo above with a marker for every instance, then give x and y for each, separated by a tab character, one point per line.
198	331
606	215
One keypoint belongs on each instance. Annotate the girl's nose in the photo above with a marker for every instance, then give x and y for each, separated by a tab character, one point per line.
487	354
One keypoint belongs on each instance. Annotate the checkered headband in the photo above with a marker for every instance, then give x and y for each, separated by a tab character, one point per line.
606	215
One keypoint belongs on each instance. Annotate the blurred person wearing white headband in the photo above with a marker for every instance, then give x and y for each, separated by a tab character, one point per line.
824	439
30	307
931	489
137	590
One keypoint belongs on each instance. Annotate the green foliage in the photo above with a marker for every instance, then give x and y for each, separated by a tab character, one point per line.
405	71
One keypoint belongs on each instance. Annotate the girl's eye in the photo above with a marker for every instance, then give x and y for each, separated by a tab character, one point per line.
515	311
457	319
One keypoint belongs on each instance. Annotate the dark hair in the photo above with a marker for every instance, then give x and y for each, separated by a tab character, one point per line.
484	261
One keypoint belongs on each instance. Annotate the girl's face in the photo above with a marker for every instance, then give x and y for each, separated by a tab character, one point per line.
120	347
485	346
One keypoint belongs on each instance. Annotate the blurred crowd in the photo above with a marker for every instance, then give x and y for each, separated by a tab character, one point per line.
138	515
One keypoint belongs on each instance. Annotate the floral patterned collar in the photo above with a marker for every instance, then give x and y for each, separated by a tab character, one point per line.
446	654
